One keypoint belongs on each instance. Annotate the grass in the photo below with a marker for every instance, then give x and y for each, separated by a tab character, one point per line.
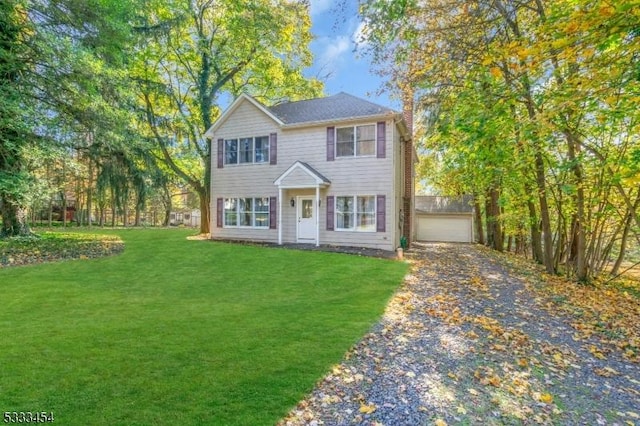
182	332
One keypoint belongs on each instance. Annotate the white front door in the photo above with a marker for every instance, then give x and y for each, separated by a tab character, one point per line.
306	220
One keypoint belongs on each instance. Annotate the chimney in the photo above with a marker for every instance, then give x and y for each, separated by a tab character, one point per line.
408	161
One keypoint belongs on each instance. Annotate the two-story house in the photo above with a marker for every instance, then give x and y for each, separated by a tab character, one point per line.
335	170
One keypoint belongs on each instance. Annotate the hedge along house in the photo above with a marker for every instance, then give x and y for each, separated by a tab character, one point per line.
328	171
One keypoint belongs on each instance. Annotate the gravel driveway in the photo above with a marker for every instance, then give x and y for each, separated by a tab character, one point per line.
464	341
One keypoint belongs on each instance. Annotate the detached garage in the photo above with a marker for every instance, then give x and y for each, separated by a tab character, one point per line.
445	219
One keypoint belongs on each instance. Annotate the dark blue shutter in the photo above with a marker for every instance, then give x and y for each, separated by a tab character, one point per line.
220	153
330	212
273	148
272	213
331	143
381	143
219	211
381	216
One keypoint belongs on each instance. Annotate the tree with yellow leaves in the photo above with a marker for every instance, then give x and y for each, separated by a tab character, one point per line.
531	106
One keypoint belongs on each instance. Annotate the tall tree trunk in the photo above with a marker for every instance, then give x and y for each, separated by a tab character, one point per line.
541	184
14	219
539	167
64	209
489	222
534	225
50	213
12	133
495	239
137	218
625	235
579	249
478	219
498	240
167	215
205	212
114	211
50	201
90	193
125	211
534	230
205	195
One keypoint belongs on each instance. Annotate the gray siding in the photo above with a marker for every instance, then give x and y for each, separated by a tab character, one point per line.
348	176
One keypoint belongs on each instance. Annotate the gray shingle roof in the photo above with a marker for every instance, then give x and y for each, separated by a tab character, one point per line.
336	107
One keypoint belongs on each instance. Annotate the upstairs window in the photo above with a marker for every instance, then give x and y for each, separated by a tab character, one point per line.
231	151
261	144
246	150
356	141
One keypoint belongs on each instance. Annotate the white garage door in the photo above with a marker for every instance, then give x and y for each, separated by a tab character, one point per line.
445	228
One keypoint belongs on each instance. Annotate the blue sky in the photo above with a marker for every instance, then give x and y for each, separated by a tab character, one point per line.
339	61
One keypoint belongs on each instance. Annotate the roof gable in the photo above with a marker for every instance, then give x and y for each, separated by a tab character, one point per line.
234	106
301	175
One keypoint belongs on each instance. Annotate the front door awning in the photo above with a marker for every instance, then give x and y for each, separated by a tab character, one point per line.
301	175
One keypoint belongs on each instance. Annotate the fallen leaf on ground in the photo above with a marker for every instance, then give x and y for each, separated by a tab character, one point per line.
367	408
547	398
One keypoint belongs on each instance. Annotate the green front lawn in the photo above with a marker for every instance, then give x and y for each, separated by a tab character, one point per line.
182	332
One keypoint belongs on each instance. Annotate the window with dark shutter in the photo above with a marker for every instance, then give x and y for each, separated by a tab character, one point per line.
381	216
381	140
219	206
220	153
331	145
330	212
272	213
273	148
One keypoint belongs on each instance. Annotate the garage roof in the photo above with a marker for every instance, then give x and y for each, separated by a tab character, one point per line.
435	204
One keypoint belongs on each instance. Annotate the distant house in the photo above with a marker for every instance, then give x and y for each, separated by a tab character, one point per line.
189	217
336	170
446	219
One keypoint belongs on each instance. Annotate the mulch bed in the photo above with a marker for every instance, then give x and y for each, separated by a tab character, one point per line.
34	250
358	251
471	339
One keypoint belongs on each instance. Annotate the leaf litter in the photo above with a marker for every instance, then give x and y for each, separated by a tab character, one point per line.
57	246
478	337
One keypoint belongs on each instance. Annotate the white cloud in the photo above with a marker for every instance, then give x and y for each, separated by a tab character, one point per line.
334	51
360	35
320	6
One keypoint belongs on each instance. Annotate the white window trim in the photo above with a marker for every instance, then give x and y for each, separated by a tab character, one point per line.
253	151
253	213
355	214
355	142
